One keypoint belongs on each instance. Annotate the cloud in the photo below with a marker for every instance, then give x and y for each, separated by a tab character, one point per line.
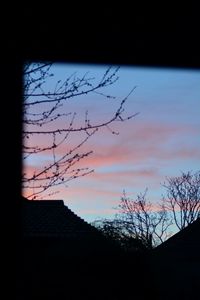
89	192
138	152
134	135
123	177
30	169
141	145
135	159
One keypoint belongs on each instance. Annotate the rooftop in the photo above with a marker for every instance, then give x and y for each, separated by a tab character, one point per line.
53	218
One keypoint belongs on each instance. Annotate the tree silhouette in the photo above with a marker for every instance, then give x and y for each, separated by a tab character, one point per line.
183	198
137	225
52	130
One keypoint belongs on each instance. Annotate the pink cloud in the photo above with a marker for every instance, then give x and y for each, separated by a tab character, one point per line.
123	177
30	169
134	148
87	192
187	153
135	143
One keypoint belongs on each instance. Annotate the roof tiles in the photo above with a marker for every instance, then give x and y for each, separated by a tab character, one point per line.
53	218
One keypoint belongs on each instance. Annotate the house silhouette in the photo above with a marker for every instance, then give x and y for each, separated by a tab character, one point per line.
51	220
62	255
176	264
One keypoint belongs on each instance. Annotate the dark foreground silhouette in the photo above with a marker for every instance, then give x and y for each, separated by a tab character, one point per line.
63	257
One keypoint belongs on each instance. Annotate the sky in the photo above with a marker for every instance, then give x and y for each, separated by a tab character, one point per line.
162	140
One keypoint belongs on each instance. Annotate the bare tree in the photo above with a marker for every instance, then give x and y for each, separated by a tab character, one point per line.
145	222
183	198
114	230
137	224
49	126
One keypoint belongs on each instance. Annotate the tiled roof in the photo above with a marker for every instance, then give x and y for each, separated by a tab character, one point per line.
51	218
190	234
183	245
175	264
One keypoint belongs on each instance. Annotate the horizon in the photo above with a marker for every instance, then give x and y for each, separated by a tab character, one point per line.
162	140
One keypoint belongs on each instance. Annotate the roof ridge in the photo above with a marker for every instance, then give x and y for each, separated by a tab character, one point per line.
77	216
180	234
56	202
43	201
53	216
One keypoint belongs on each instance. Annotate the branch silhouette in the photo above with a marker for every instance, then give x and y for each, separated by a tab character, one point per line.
51	129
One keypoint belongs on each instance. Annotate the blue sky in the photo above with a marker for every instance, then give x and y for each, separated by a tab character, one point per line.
163	140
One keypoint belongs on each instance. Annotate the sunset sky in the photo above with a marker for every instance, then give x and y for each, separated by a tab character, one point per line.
162	140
